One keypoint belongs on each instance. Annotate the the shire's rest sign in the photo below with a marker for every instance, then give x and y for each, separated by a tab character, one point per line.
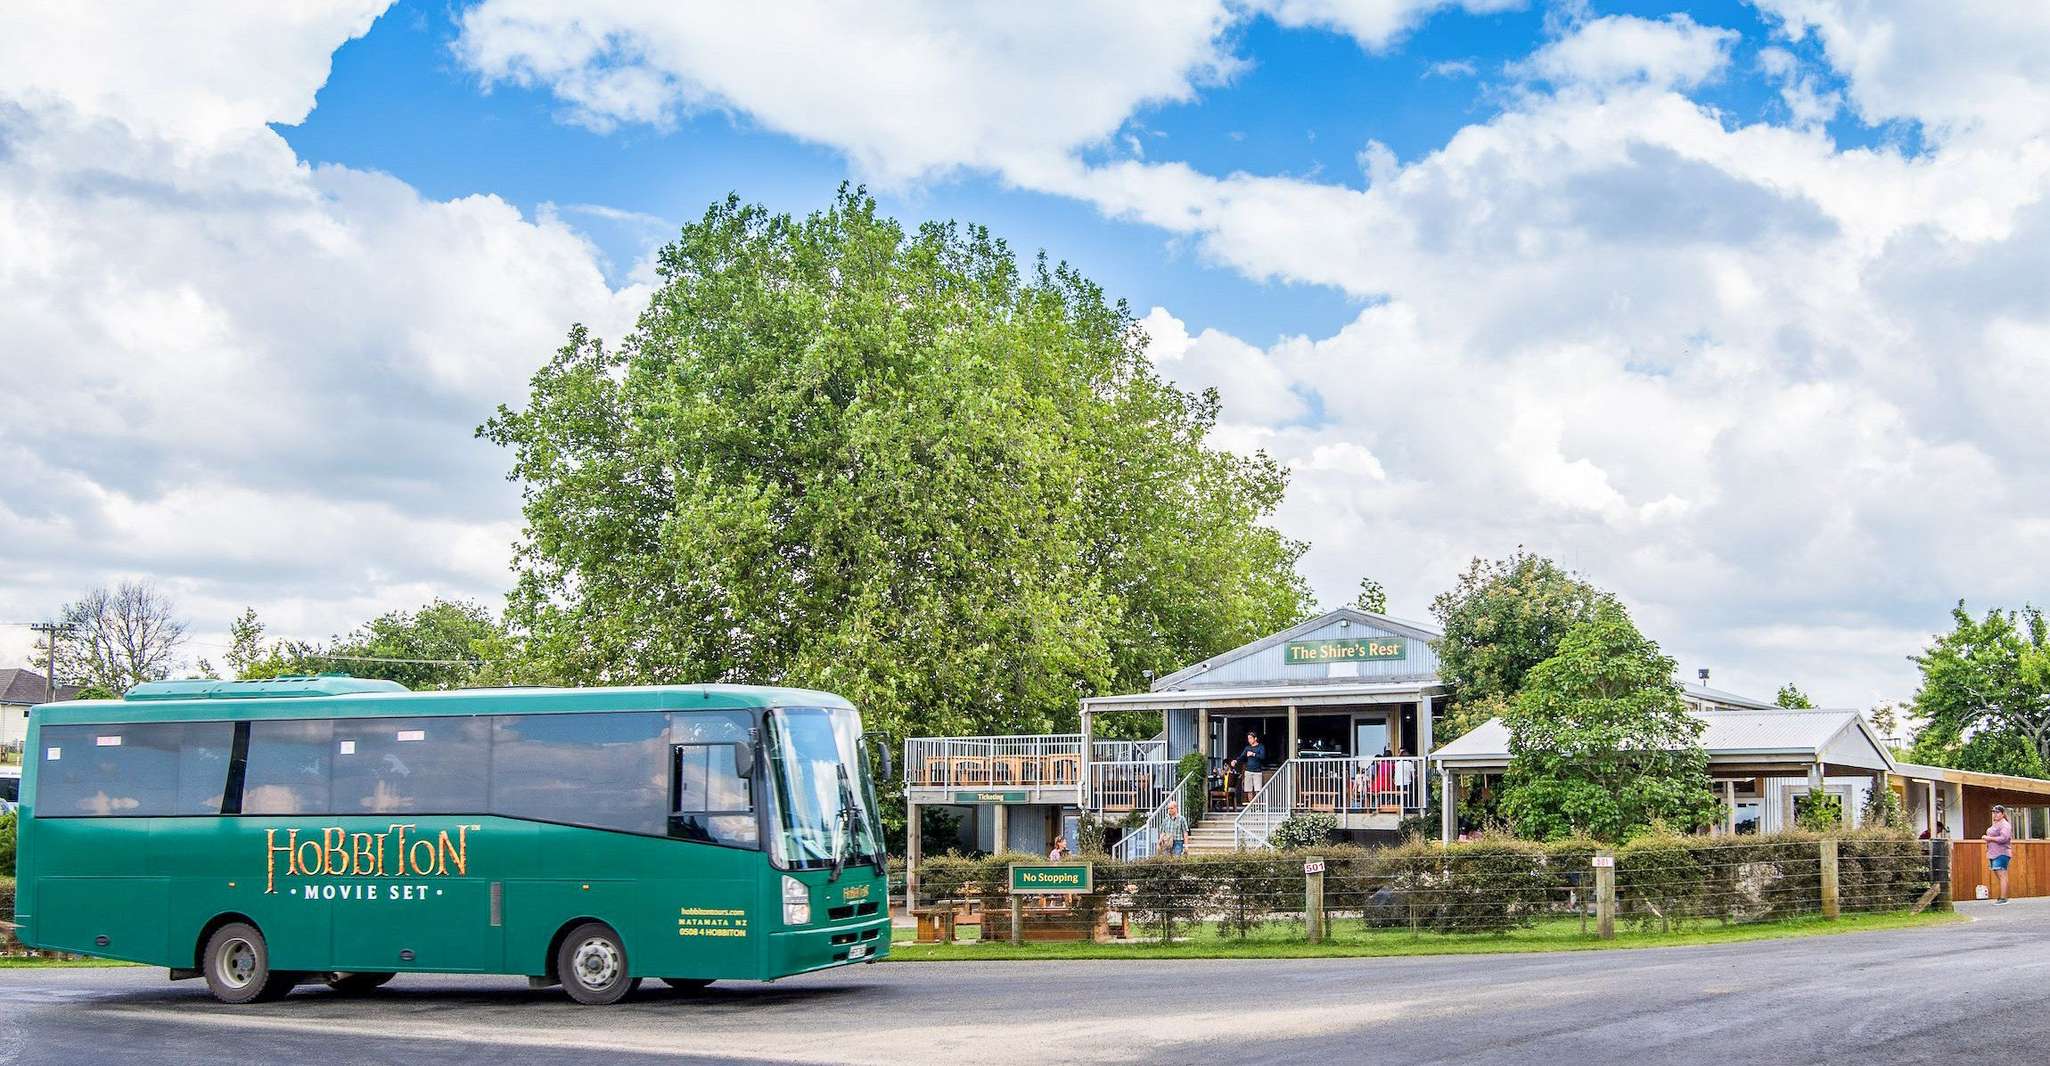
1344	650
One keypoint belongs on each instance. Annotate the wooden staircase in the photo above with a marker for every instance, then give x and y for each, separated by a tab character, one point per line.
1213	835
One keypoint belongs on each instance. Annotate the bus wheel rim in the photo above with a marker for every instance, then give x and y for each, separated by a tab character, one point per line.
237	963
597	963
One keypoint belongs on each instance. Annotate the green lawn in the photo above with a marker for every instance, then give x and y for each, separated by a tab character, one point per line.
1284	941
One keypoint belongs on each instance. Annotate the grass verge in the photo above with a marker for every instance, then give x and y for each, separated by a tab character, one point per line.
1284	941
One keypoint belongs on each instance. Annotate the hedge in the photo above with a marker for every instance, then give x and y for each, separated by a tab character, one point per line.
1489	885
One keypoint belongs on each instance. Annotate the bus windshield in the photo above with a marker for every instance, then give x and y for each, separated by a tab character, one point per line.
825	798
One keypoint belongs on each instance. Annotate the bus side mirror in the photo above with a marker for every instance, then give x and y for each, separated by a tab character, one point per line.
880	746
744	759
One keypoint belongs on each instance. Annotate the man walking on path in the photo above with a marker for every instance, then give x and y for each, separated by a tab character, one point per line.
1999	840
1174	829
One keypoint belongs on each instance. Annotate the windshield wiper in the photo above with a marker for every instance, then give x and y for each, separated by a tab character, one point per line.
846	826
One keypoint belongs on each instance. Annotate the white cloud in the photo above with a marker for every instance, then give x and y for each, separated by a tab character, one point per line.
905	88
1966	69
252	379
1674	52
197	72
1375	24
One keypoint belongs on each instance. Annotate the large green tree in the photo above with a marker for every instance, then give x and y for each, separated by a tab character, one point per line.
894	465
1600	742
1792	698
1985	694
1501	618
443	645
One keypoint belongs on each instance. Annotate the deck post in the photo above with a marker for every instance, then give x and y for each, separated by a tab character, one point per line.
1730	807
1293	722
1203	731
1002	831
1088	752
914	851
1424	738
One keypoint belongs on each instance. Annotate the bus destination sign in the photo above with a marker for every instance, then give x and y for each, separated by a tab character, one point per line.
1073	877
1346	650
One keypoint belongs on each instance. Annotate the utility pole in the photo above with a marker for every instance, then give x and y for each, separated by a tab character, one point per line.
50	631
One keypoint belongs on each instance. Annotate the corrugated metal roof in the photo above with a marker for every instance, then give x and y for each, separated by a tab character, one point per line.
1727	733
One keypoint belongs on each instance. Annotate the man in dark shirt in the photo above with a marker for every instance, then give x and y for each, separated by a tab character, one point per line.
1254	759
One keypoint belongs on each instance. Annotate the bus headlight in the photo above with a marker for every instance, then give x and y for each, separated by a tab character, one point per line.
796	902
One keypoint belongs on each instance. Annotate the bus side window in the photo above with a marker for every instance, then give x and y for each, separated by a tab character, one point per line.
135	769
287	768
710	801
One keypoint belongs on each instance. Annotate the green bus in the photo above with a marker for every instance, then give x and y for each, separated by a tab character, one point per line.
264	834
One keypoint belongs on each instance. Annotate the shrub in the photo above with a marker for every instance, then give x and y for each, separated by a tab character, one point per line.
1489	885
1299	831
1162	893
1882	809
1196	794
1250	887
1820	812
1662	878
7	844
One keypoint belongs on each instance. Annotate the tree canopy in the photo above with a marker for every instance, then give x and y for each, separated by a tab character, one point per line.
1792	698
1372	598
1600	742
1502	618
893	465
116	639
1985	695
443	645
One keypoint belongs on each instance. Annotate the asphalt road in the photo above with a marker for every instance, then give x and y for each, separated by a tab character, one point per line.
1977	992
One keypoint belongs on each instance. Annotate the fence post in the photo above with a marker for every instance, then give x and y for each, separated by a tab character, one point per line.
1313	899
1939	872
1605	895
1829	881
1017	919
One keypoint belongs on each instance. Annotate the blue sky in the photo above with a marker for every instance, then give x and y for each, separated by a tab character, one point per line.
1727	305
1305	104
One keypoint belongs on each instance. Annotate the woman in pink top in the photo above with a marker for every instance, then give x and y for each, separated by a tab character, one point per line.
1999	840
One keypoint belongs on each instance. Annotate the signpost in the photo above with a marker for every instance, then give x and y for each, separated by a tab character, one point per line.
1345	650
1056	877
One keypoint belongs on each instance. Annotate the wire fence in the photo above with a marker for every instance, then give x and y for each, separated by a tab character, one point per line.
1493	886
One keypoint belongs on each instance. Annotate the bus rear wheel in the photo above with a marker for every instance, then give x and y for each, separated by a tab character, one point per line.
688	984
592	965
356	983
236	963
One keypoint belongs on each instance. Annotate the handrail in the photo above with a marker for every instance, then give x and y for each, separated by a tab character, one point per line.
1145	840
1358	785
1256	823
1051	759
1128	786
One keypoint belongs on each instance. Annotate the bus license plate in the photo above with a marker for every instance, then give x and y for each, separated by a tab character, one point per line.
858	951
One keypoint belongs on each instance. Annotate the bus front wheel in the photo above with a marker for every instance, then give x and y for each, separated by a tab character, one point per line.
592	965
236	963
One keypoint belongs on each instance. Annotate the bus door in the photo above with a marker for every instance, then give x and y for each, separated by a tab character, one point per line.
714	892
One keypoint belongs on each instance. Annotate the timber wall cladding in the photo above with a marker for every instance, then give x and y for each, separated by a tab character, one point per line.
2028	874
